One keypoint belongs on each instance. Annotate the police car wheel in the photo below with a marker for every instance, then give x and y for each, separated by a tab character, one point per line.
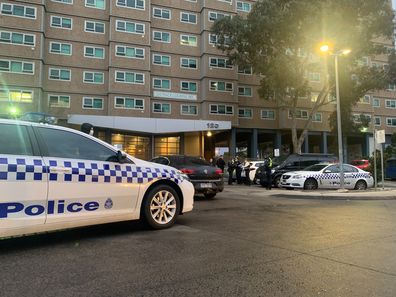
360	185
310	184
161	207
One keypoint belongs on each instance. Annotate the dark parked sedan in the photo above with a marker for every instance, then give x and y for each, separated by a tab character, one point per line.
207	179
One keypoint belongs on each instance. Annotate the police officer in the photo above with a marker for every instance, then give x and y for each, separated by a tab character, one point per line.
230	169
246	167
238	170
268	168
220	163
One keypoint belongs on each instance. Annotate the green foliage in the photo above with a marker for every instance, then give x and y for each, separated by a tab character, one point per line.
280	39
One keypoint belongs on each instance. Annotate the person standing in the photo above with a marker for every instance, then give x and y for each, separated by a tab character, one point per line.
238	169
220	163
246	167
230	169
268	169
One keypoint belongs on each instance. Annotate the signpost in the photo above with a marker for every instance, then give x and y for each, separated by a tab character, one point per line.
379	138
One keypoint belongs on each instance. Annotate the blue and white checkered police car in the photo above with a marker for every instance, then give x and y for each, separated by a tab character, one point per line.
327	176
55	178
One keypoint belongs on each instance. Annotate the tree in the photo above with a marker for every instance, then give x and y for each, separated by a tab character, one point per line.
280	39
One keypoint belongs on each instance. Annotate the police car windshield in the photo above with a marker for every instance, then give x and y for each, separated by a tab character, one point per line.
316	167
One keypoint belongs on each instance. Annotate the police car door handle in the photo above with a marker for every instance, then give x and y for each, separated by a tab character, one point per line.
60	170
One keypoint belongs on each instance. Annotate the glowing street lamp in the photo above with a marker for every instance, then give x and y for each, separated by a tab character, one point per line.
325	48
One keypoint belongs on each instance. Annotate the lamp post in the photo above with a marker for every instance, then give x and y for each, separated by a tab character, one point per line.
325	48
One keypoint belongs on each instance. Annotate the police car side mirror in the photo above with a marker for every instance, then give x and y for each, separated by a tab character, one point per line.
327	171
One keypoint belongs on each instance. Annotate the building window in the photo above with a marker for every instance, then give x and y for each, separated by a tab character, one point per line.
17	38
365	99
247	70
129	27
391	87
245	113
390	103
376	102
60	48
299	114
188	86
213	16
314	76
220	63
188	63
18	10
244	6
161	13
189	40
161	107
162	60
317	117
19	96
214	39
187	109
166	146
98	4
93	77
391	122
129	77
60	22
129	52
136	4
245	91
221	86
94	52
267	114
377	121
162	36
221	109
94	27
128	103
92	103
186	17
163	84
63	1
62	101
16	67
59	74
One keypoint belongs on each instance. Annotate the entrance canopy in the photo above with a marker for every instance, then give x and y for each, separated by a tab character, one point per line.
149	125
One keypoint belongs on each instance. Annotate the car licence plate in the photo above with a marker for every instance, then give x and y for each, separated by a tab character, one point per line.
206	185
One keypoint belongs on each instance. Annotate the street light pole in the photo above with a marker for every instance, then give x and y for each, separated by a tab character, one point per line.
339	130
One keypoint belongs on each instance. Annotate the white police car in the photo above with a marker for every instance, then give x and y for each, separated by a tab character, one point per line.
327	176
54	178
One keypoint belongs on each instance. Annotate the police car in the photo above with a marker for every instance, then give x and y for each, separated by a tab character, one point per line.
327	176
54	178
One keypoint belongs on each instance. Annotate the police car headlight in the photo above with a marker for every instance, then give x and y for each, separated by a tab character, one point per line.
297	176
183	175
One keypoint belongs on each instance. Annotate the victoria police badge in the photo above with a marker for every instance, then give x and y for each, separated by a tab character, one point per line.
108	204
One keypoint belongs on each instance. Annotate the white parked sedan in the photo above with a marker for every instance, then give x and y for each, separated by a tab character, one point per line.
55	178
327	176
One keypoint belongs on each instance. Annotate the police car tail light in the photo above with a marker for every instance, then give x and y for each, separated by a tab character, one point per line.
218	171
187	171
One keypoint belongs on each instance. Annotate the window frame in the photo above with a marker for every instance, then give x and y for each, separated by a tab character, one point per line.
124	98
162	103
93	100
60	52
58	106
61	23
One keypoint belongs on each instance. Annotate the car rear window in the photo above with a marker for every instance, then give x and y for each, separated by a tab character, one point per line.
187	161
14	140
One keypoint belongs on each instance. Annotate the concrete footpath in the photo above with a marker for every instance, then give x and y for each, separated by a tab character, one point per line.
370	194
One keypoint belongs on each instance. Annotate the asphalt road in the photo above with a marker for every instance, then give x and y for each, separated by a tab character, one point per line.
243	243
